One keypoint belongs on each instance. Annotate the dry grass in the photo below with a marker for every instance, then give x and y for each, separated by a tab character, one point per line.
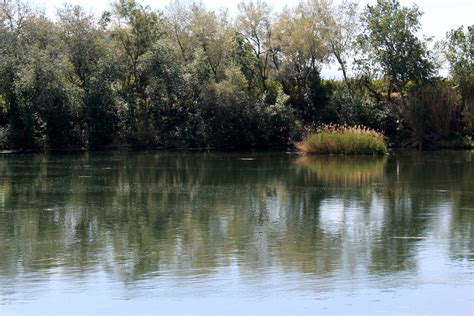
343	140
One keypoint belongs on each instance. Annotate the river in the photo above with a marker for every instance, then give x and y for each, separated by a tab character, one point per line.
270	233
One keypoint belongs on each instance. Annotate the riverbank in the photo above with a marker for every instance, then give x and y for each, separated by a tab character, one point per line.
292	149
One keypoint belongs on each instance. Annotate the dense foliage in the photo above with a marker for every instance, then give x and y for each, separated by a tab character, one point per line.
191	77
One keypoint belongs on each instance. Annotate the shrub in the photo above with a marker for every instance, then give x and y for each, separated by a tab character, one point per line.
277	123
432	114
44	105
468	105
4	135
341	139
353	105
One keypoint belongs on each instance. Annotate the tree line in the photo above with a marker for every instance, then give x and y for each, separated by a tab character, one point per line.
189	77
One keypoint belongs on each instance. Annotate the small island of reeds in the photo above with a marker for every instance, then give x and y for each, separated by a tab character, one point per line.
343	140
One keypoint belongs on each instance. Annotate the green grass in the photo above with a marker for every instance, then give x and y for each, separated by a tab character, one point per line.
342	140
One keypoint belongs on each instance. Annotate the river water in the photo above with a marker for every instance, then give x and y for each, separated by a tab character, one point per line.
271	233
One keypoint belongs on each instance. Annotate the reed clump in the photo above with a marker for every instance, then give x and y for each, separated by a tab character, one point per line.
333	139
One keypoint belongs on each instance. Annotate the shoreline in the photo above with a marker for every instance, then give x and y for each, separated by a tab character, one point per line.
290	149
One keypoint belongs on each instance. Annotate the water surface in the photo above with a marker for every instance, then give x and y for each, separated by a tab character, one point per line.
236	234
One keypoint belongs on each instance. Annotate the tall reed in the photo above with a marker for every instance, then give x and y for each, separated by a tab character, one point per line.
343	140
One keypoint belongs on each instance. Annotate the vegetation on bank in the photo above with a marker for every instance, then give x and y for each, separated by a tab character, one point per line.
344	140
191	77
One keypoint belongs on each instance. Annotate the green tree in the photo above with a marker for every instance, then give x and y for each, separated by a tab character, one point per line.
391	49
459	51
254	23
342	22
211	33
299	35
94	73
243	55
42	104
135	30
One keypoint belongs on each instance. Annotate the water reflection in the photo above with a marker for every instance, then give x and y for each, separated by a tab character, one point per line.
344	170
141	216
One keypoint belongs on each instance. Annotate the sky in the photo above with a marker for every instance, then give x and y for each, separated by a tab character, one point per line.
439	16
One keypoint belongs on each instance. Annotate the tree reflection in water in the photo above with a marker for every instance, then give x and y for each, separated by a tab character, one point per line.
142	215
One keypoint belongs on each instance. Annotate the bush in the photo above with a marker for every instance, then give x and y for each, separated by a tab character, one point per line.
46	113
4	136
432	114
355	106
277	123
468	105
228	115
344	140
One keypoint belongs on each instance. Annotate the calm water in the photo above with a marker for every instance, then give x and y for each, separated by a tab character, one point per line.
236	234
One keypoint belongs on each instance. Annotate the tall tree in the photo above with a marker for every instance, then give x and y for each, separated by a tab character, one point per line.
211	33
299	38
390	46
83	39
459	51
254	23
342	23
179	16
136	28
